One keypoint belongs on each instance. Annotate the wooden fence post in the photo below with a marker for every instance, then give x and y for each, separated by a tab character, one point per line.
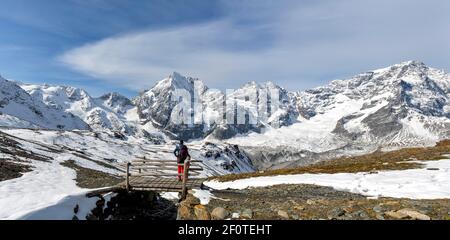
185	178
128	176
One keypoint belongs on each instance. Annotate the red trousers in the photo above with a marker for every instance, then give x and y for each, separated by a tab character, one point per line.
180	171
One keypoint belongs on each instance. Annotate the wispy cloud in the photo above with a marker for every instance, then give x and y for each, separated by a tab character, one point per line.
297	44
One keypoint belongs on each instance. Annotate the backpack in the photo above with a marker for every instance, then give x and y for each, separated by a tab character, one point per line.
183	153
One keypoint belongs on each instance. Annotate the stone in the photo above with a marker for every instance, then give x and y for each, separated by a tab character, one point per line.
310	202
407	214
283	214
235	215
364	215
191	200
295	217
415	215
219	213
76	209
379	217
247	213
335	213
433	169
396	215
377	209
184	213
92	217
201	213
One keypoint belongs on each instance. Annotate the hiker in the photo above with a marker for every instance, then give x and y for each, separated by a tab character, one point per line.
181	152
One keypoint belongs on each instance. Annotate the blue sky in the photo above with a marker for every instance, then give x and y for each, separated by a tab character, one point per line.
126	46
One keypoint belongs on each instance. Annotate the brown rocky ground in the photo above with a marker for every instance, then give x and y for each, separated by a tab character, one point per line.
310	202
316	202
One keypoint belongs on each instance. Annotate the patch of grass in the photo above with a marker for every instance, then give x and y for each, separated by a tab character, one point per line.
89	178
376	161
10	170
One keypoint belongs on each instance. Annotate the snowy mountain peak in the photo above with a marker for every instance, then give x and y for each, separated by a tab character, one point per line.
114	97
251	84
270	84
175	81
116	102
258	85
411	63
21	109
176	75
179	81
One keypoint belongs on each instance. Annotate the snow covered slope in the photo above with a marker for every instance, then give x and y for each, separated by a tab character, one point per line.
18	108
106	112
403	105
411	183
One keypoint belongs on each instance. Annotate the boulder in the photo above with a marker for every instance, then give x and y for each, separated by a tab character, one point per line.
219	213
415	215
283	214
184	213
201	213
191	200
247	213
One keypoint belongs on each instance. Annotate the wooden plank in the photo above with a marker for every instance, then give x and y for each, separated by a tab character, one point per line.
170	165
155	167
162	160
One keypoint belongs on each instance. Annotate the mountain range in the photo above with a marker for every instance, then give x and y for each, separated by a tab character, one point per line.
406	104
